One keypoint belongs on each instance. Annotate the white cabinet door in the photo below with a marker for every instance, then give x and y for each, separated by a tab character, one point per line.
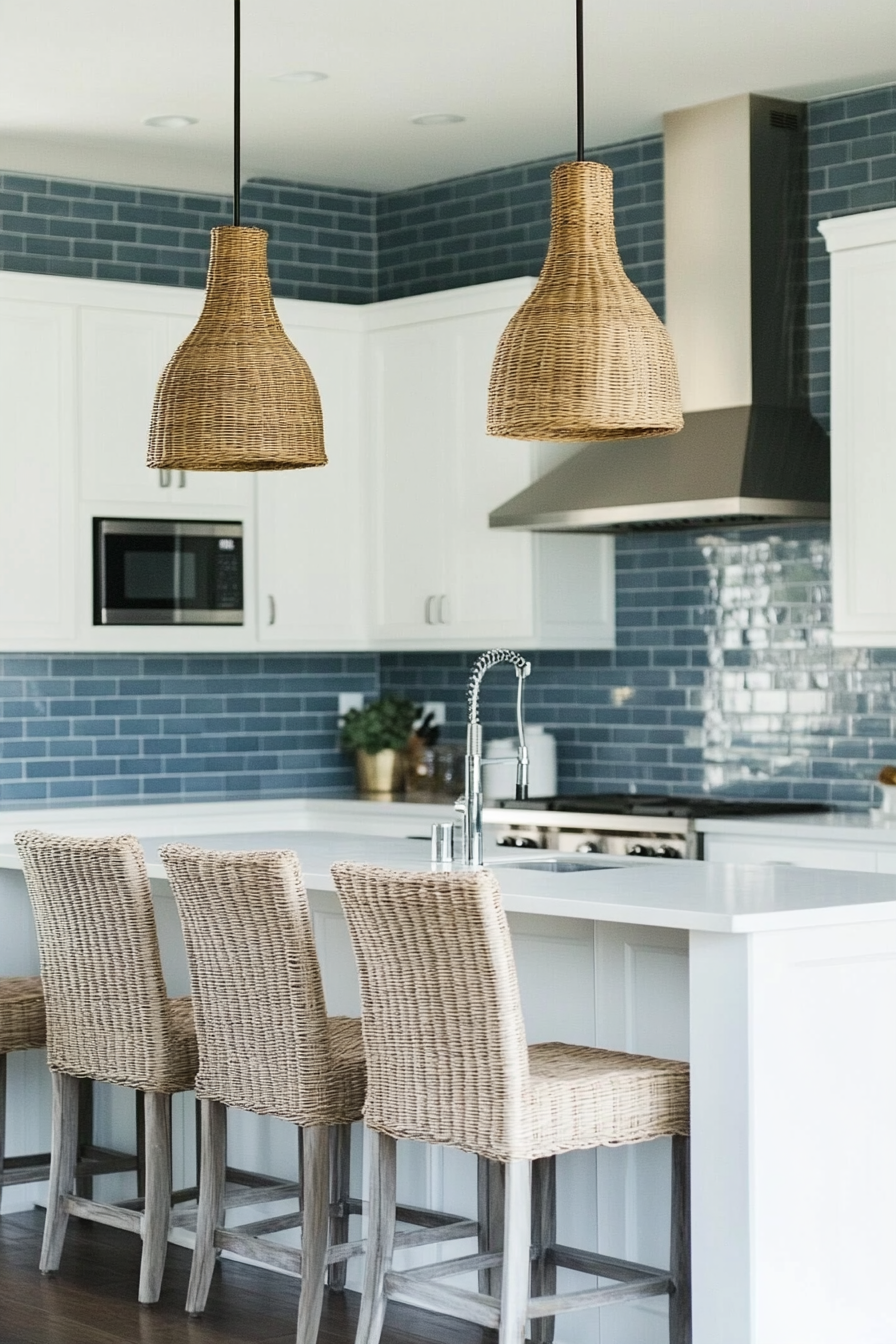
123	353
412	411
37	472
441	576
489	570
311	534
863	425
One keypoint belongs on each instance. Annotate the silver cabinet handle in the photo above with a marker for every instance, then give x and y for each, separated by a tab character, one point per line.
181	480
444	610
272	609
164	478
430	618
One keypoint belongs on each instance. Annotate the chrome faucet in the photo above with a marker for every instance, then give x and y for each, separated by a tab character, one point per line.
470	805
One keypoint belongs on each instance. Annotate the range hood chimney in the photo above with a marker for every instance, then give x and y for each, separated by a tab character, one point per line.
736	236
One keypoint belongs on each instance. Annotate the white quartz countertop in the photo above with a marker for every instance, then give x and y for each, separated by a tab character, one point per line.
719	898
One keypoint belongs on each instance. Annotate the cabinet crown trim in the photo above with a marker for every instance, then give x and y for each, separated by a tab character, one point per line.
865	230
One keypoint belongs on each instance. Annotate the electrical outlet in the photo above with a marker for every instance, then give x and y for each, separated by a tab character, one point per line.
350	700
437	709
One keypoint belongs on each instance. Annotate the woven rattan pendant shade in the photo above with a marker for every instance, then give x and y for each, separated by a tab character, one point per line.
585	357
237	395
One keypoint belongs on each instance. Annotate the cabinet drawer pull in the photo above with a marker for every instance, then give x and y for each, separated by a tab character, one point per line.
430	618
181	480
444	610
164	478
272	609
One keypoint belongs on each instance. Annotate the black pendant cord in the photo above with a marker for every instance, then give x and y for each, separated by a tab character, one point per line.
580	82
237	113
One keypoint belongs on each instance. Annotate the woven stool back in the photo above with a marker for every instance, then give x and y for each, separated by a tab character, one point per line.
107	1010
443	1027
258	999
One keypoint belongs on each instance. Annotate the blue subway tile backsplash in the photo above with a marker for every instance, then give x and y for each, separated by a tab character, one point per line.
724	677
138	728
321	241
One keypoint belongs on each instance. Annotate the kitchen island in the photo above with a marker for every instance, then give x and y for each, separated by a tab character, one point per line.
778	983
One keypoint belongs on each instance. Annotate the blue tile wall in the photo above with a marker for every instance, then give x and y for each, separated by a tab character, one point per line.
724	679
159	728
494	225
852	167
322	242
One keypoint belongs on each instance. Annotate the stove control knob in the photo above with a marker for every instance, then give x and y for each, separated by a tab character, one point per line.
642	851
589	847
517	842
669	852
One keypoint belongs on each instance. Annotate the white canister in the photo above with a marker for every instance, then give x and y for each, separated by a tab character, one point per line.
499	781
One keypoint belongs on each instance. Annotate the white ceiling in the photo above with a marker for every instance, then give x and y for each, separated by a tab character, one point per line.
77	78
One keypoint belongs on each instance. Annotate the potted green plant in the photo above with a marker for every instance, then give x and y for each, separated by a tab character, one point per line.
378	734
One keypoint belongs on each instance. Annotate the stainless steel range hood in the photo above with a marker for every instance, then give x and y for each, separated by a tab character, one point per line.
736	238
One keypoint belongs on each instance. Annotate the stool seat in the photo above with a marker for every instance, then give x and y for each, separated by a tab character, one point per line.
348	1066
580	1097
23	1022
183	1052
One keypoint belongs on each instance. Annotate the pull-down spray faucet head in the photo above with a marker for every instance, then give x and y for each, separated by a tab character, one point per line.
471	803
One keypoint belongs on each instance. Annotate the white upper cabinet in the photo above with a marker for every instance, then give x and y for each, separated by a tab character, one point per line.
37	471
388	546
125	343
311	537
441	577
863	425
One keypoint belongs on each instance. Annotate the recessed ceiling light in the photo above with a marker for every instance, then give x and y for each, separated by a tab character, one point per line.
437	119
170	123
300	77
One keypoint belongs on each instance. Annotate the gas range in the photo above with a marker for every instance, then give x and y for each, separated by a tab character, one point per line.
642	825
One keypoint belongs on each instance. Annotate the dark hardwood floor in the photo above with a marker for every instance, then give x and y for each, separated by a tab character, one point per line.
93	1298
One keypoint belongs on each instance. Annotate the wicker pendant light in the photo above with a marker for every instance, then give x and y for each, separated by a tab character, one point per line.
236	394
585	357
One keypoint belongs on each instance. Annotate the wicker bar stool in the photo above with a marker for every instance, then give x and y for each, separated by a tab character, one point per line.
108	1018
23	1027
448	1064
267	1045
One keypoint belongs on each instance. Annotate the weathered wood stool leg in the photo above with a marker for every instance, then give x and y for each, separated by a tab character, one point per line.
315	1224
157	1209
84	1184
491	1221
340	1172
544	1235
210	1215
517	1242
63	1155
2	1119
680	1259
380	1238
140	1113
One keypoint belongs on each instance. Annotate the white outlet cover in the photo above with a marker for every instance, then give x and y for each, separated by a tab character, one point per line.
350	700
437	709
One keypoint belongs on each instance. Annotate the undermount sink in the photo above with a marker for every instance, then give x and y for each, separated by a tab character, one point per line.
553	865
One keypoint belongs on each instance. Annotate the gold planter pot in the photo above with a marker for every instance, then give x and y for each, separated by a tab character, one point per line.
380	774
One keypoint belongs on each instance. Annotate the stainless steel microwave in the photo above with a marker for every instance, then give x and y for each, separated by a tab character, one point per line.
149	571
